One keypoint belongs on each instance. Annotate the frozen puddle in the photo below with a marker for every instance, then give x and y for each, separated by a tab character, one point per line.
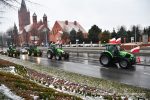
6	91
10	69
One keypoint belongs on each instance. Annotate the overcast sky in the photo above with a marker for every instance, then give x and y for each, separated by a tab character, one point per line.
107	14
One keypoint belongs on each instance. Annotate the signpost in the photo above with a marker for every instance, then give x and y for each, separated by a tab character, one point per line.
132	39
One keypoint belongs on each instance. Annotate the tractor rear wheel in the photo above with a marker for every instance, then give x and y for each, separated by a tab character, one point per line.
50	55
104	59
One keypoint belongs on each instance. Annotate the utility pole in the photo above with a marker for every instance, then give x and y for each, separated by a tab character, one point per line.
135	33
45	30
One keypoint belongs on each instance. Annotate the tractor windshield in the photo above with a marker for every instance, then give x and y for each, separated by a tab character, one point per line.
11	47
114	49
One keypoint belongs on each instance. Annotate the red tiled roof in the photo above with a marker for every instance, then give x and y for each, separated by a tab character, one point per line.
71	26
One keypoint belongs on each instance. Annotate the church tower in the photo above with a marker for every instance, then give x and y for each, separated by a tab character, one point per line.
23	16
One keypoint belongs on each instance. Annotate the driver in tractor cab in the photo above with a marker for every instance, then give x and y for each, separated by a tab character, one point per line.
114	49
53	47
117	49
11	47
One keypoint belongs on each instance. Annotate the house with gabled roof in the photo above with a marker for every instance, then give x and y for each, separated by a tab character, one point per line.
65	26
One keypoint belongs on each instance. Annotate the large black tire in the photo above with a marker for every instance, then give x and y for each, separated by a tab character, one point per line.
16	55
66	56
10	54
124	63
58	57
40	54
35	54
29	53
50	55
104	59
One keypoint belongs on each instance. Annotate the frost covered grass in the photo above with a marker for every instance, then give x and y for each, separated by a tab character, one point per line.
6	91
22	88
108	88
27	89
105	85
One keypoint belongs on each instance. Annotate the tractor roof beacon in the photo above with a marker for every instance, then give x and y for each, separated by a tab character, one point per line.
113	54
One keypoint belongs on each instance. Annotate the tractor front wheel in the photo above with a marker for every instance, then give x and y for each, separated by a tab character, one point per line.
66	56
29	53
58	57
124	63
35	54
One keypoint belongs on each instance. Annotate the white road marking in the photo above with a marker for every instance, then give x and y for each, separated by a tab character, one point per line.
104	68
147	74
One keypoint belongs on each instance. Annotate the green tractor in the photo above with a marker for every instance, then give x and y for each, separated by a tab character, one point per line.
13	52
33	50
113	54
57	52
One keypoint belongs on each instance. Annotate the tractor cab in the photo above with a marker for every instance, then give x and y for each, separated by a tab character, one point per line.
12	47
113	49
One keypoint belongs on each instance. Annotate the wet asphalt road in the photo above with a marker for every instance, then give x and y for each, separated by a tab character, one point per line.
89	65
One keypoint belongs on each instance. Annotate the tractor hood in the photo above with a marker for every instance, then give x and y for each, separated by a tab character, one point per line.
60	50
124	54
37	50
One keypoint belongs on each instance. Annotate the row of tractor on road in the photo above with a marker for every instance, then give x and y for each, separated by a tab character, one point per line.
112	54
54	51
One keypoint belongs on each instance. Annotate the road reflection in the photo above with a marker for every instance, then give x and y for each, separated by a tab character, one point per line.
24	57
38	60
43	61
88	64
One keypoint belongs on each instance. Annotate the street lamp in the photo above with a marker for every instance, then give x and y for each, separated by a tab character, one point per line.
77	40
45	30
135	33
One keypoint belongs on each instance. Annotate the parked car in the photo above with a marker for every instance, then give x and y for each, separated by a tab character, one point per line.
33	50
113	54
57	52
24	50
3	51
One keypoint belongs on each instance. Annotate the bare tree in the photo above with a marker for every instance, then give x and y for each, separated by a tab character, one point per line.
8	3
11	4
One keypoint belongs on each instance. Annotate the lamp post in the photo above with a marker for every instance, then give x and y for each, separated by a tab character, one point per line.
2	42
45	30
34	38
135	33
77	40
